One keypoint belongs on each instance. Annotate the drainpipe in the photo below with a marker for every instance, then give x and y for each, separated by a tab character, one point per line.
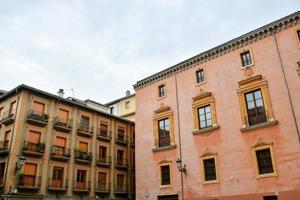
179	137
287	87
10	146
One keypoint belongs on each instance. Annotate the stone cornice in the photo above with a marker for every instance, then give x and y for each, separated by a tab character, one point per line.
222	49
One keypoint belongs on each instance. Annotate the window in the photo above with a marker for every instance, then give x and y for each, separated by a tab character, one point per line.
111	110
57	177
83	147
80	179
209	169
2	170
204	116
161	90
165	175
270	198
120	157
120	182
255	107
38	107
60	146
1	112
200	76
298	35
264	161
29	177
103	129
246	58
255	103
84	123
101	181
12	108
164	132
102	153
127	104
6	139
121	134
63	115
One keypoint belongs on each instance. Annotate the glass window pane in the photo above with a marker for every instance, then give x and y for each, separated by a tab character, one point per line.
257	94
249	97
209	122
250	104
201	111
202	124
259	103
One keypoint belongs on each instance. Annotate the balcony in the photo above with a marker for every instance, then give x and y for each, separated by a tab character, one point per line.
8	118
29	182
102	188
103	135
121	140
60	153
103	162
82	187
33	149
85	130
55	185
82	157
4	148
121	189
121	164
62	125
37	118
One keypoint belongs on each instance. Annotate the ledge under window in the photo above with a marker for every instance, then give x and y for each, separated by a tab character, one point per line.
205	130
259	126
156	149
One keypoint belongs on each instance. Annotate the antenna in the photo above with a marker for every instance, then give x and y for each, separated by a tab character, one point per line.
72	90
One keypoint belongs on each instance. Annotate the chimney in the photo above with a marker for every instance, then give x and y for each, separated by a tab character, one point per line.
61	93
127	93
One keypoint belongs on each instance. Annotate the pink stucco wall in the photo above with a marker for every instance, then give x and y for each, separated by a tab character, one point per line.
236	167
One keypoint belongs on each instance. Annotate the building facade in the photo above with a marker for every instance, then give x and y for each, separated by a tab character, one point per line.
229	116
123	107
57	148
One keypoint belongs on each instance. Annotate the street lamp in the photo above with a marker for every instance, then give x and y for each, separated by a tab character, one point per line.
179	166
20	163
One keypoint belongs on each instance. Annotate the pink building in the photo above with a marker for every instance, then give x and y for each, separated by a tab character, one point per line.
231	115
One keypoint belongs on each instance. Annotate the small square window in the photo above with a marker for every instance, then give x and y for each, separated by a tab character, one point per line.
165	175
162	90
264	161
209	169
246	58
270	198
127	104
200	76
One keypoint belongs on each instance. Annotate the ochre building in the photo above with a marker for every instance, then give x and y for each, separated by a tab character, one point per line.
57	148
229	116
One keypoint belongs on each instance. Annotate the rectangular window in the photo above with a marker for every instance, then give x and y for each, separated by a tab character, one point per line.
164	132
2	169
246	58
209	169
101	181
255	107
1	112
121	134
200	76
103	129
120	182
120	157
6	139
204	116
12	108
102	153
84	121
63	115
264	161
38	107
83	146
270	198
127	104
162	90
165	175
298	34
57	177
112	110
81	176
34	137
29	177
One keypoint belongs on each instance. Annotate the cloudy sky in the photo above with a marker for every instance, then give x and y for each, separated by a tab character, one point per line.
100	48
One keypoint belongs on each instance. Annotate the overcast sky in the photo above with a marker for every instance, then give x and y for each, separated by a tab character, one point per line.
100	48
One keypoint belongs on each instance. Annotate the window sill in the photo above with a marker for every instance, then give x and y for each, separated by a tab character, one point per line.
156	149
162	97
246	66
258	126
210	182
201	83
266	175
205	130
165	186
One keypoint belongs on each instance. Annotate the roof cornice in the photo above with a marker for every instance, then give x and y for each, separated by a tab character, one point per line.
222	49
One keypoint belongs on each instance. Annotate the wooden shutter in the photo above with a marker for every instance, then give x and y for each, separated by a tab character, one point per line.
34	137
38	107
120	182
83	146
63	115
60	141
30	169
12	107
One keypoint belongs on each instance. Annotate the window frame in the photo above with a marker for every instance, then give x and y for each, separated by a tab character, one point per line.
206	156
202	100
164	130
159	114
262	145
251	84
251	57
197	77
163	85
162	164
